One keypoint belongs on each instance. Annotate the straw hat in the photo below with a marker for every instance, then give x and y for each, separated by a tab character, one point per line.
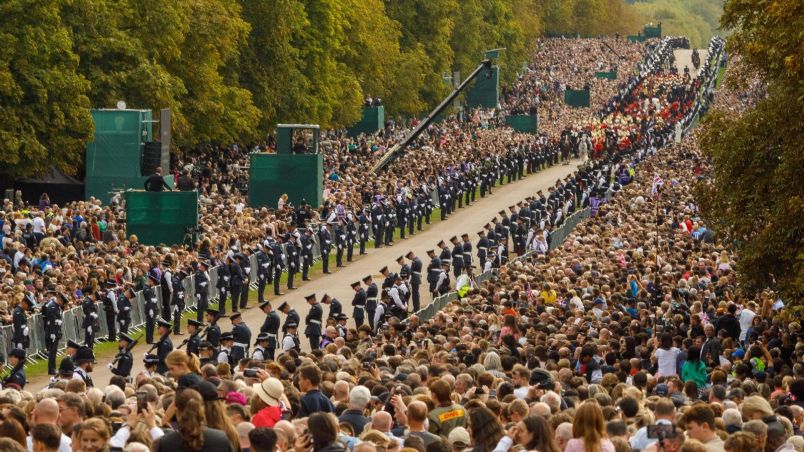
270	390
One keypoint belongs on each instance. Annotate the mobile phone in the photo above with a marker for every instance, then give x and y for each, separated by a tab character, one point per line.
661	431
250	372
142	401
116	426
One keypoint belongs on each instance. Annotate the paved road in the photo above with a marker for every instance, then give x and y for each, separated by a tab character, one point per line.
470	220
684	59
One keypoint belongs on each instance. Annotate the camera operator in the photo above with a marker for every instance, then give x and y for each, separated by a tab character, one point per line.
665	413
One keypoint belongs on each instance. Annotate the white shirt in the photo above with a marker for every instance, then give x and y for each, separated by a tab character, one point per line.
667	361
38	225
65	444
746	318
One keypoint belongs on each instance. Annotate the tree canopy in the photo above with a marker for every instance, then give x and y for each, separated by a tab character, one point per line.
231	69
756	195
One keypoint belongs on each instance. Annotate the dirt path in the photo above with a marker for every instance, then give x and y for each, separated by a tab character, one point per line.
684	59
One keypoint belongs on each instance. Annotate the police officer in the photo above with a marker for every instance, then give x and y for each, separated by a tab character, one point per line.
264	270
270	327
382	311
307	243
201	282
371	299
442	282
165	345
53	322
325	243
225	353
194	341
292	315
110	309
149	295
335	306
415	279
84	363
260	345
341	326
237	279
242	337
359	303
177	303
397	306
213	331
17	378
124	360
21	337
90	322
312	328
291	339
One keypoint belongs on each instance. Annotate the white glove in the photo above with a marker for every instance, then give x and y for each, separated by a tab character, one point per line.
144	355
58	322
89	330
110	366
52	337
25	331
93	315
150	312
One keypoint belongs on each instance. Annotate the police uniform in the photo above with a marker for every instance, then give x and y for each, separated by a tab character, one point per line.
260	352
17	377
242	340
415	280
149	295
225	353
291	340
371	300
202	290
89	324
20	337
312	321
213	332
164	348
359	304
270	328
53	328
194	341
124	359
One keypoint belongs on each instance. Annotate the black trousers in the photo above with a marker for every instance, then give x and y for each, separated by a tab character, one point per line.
415	296
202	305
223	293
178	308
244	296
235	297
315	342
111	325
52	349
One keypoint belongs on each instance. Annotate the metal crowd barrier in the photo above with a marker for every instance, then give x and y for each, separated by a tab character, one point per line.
558	235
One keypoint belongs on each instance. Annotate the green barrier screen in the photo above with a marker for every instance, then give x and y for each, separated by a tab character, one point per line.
653	32
113	158
485	92
636	38
523	123
373	120
161	217
576	98
607	75
300	176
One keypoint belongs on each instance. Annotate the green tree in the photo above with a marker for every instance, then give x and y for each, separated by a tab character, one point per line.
44	119
756	194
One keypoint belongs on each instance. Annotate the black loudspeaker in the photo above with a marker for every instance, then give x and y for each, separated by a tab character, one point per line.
151	158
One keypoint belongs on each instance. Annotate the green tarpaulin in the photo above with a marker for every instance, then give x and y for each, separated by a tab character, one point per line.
161	217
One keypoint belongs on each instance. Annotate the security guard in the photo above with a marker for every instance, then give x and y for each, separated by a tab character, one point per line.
90	323
260	345
124	359
415	279
53	326
242	337
291	340
359	303
225	353
335	307
164	347
17	378
312	322
149	295
270	327
213	332
21	337
292	315
194	341
201	281
371	299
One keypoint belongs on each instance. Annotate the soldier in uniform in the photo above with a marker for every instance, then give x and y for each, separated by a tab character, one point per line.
17	378
222	284
312	328
245	264
293	258
335	306
371	299
225	352
110	308
164	347
404	267
194	341
202	289
270	328
291	340
457	256
237	279
389	216
242	337
389	278
124	360
340	241
325	243
166	286
377	221
260	345
482	247
177	304
306	253
415	279
53	321
21	337
90	322
213	332
467	250
362	230
433	270
290	313
446	256
149	295
351	236
279	263
84	363
358	303
264	271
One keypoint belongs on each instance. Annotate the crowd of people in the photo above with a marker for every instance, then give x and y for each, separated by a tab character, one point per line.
631	335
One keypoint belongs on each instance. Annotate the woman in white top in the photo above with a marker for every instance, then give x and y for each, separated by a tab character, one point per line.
666	356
